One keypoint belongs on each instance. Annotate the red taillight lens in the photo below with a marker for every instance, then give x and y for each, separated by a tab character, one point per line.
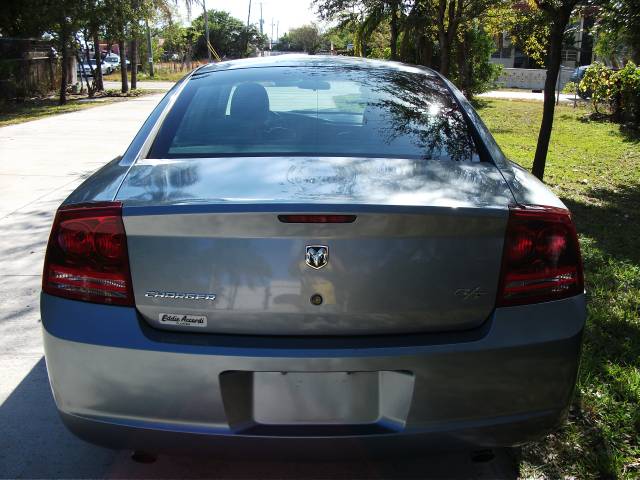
541	259
87	255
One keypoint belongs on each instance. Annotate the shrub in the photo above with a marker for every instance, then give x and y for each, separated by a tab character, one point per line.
628	80
616	91
480	74
599	84
570	87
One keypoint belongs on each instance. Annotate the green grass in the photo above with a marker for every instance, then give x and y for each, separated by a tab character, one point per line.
595	168
33	109
11	112
160	75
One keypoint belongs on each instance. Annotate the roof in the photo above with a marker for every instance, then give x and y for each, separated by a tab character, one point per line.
298	60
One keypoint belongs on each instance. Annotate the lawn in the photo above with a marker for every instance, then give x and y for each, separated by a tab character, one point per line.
594	166
33	109
160	75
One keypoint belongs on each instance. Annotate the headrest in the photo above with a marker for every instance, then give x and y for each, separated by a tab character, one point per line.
250	101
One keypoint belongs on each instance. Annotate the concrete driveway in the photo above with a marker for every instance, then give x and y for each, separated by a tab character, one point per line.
41	162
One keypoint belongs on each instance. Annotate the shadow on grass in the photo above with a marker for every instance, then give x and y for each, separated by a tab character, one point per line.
605	415
480	103
630	132
614	223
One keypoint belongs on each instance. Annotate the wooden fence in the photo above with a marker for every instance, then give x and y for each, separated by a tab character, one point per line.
27	68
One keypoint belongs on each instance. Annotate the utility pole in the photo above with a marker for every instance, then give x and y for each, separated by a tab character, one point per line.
206	29
272	24
246	46
149	48
261	19
278	32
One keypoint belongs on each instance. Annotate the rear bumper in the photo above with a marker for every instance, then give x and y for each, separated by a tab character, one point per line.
119	383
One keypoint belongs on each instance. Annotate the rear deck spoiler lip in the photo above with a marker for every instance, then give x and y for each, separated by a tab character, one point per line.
130	209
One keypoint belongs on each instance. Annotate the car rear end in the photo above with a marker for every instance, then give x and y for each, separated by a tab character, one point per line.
296	300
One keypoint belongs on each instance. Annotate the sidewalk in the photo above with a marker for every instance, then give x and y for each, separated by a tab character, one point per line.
160	86
42	162
525	95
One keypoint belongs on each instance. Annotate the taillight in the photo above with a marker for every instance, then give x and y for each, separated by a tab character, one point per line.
87	255
541	258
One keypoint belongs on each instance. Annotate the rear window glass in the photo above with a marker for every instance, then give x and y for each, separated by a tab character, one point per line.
319	111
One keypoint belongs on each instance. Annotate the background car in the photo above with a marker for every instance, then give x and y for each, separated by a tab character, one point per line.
577	76
90	66
113	61
578	73
307	254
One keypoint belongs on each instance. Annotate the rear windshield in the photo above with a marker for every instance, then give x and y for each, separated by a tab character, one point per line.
319	111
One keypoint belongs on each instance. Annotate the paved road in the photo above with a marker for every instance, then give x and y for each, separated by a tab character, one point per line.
40	163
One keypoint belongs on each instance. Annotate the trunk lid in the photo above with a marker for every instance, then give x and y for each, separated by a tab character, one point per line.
422	255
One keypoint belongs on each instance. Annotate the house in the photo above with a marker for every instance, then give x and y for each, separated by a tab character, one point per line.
580	52
522	71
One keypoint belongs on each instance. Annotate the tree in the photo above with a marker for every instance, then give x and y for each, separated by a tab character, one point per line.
367	15
117	22
66	21
176	40
306	38
227	34
618	31
340	35
92	16
26	18
558	14
447	34
526	25
418	34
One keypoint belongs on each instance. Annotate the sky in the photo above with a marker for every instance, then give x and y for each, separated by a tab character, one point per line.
290	13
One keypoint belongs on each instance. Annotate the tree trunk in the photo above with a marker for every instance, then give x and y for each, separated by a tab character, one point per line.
134	63
404	48
452	29
553	67
98	54
52	70
123	67
461	60
64	41
394	30
427	51
442	39
465	75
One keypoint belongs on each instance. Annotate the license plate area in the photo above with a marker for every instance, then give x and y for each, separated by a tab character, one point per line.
315	398
302	400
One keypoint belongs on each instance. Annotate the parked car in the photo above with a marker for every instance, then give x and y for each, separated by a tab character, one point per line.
578	73
577	76
90	66
113	61
303	253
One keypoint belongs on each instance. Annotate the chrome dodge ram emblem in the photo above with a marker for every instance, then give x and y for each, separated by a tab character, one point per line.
317	256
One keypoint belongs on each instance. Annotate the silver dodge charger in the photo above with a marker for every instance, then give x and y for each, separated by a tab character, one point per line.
302	252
